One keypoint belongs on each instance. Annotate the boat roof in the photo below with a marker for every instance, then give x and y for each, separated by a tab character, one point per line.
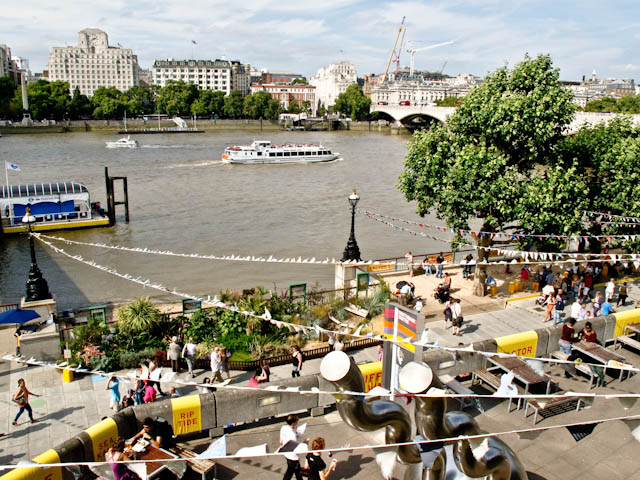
35	189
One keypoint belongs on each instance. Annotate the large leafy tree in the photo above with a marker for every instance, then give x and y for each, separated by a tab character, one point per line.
7	91
138	100
234	105
497	159
175	98
106	102
80	105
626	104
47	100
256	104
209	102
352	103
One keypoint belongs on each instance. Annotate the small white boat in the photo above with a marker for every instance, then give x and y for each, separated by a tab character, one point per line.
124	142
262	151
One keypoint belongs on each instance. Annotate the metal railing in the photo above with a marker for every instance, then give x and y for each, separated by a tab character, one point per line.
8	306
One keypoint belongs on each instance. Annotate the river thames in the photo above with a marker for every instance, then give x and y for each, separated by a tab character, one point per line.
183	199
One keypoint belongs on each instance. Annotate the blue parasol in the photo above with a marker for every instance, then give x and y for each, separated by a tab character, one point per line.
18	316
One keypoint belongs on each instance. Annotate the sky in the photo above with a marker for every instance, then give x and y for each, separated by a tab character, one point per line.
303	35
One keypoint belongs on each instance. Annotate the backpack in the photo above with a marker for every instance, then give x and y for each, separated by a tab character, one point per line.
560	304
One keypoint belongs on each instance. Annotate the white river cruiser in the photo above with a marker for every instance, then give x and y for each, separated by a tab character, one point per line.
124	142
263	151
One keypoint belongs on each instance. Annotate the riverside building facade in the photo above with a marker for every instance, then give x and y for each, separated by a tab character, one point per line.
8	67
285	94
93	64
333	80
221	75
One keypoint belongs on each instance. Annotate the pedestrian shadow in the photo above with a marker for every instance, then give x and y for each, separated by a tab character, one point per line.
350	467
34	427
10	459
470	328
9	371
60	414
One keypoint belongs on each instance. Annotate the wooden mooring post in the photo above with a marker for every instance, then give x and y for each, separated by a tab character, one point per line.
111	200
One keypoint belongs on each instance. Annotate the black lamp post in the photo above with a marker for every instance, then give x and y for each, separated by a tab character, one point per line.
37	287
351	251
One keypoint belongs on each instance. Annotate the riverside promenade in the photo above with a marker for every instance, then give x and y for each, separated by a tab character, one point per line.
65	409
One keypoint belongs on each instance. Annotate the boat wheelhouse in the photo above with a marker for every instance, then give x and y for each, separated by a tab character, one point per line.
56	206
263	151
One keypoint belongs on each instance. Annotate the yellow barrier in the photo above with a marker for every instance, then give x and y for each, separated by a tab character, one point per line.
372	373
625	318
512	287
103	436
67	376
493	290
30	473
187	415
524	344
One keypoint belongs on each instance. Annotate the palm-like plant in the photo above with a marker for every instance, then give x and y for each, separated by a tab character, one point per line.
138	317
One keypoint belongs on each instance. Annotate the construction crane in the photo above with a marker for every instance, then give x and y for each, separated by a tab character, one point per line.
412	52
393	51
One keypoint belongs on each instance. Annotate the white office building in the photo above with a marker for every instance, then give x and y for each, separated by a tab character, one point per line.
8	67
221	75
93	63
333	80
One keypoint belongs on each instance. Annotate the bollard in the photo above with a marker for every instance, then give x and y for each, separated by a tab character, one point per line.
512	287
493	290
67	376
517	285
535	287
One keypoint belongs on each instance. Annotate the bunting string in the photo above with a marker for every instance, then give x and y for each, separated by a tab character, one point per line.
503	235
624	218
293	327
630	420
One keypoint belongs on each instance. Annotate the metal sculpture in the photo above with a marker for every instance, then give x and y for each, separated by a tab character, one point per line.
486	457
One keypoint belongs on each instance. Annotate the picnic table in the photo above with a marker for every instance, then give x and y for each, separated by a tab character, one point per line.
151	469
599	354
521	372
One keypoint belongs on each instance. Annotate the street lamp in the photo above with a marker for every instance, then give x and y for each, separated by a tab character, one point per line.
351	251
37	288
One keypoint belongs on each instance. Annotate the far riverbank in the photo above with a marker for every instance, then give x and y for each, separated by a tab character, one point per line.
111	127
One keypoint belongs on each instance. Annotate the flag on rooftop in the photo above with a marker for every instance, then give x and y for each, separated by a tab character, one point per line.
11	166
194	42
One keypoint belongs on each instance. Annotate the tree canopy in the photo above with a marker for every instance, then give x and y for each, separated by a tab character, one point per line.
47	100
497	159
209	102
176	97
233	105
352	103
7	92
626	104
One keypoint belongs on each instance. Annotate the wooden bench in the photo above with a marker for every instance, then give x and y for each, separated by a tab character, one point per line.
553	406
490	379
203	466
457	387
587	370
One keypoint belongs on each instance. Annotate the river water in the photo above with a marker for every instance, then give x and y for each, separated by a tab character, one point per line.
183	199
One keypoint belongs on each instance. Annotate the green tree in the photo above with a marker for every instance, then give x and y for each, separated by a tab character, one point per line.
256	104
80	105
138	317
46	99
353	103
496	160
139	100
299	81
7	92
294	106
233	104
629	104
274	109
606	104
106	103
209	102
449	102
175	98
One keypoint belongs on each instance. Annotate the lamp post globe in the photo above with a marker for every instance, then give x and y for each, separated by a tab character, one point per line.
37	287
352	251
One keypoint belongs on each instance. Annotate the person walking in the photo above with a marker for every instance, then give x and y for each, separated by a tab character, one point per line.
610	290
524	277
466	270
448	313
558	309
21	397
216	363
622	295
289	433
456	317
155	373
224	362
189	354
173	354
409	257
113	384
139	395
316	463
440	261
297	361
551	305
597	303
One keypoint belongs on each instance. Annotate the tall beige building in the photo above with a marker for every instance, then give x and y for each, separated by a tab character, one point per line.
93	63
222	75
333	80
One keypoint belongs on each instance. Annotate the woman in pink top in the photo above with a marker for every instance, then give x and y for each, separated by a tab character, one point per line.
149	393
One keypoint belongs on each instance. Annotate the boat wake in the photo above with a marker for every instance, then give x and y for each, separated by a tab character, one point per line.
175	146
205	163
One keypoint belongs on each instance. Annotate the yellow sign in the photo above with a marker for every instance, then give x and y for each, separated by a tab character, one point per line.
625	318
103	436
30	473
372	373
187	417
523	344
382	267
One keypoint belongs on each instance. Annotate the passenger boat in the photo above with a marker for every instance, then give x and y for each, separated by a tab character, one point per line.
124	142
262	151
56	206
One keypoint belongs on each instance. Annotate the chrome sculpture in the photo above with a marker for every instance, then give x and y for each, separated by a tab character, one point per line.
486	457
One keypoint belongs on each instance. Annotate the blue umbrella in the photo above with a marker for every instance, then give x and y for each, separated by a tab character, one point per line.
18	316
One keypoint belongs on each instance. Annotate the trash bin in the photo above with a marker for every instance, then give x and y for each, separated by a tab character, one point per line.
512	287
517	285
493	290
67	376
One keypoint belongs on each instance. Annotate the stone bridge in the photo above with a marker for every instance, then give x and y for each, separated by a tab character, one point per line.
416	116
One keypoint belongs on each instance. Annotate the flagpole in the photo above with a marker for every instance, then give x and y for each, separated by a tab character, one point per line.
6	172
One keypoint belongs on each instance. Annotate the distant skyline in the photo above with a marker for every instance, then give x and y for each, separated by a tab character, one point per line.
304	35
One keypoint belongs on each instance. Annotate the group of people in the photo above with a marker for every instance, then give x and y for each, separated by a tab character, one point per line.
428	267
453	316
